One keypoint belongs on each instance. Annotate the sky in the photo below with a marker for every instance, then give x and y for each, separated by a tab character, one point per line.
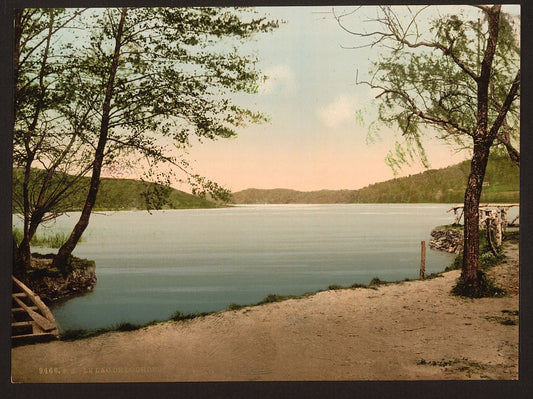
313	140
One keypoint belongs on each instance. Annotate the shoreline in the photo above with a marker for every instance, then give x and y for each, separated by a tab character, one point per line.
414	330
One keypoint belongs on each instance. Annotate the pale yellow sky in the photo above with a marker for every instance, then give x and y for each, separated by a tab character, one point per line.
313	140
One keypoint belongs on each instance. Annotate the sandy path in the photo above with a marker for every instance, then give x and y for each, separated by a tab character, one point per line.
407	331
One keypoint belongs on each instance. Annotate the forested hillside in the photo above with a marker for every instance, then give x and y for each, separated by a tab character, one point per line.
123	194
447	185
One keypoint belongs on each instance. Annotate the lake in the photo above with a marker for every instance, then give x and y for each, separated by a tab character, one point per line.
150	265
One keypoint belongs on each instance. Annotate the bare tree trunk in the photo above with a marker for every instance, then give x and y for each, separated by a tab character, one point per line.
19	269
24	247
471	213
480	157
66	249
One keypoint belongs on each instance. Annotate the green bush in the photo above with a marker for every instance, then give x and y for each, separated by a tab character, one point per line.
234	306
179	316
357	285
376	282
485	287
270	298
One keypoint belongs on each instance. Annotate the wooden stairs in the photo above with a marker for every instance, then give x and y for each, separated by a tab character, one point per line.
31	320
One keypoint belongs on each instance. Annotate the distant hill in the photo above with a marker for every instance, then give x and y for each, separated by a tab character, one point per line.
127	194
446	185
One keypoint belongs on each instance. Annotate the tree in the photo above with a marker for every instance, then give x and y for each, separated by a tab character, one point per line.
459	77
134	89
35	138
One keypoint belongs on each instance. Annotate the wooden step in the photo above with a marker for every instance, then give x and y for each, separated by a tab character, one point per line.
22	324
21	310
43	322
31	320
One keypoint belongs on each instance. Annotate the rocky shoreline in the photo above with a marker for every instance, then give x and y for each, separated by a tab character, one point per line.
52	286
447	238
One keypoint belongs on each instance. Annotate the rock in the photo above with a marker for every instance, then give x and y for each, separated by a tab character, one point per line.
52	286
447	239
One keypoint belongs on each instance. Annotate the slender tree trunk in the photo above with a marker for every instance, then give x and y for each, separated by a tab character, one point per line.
24	247
66	249
480	157
19	269
471	212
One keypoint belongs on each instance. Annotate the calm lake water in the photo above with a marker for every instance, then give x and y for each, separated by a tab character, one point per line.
151	265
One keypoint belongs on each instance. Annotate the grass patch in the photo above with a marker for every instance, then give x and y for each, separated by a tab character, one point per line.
357	285
512	236
432	276
439	363
486	258
75	334
509	318
485	287
79	333
272	298
46	240
506	321
235	306
41	266
179	316
456	264
376	282
336	287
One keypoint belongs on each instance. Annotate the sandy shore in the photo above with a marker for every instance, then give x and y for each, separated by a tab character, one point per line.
408	331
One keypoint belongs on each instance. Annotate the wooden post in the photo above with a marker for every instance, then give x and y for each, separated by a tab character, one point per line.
423	260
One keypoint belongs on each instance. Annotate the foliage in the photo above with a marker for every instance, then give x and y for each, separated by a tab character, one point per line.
482	287
487	258
79	333
375	282
128	194
427	75
179	316
271	298
234	306
52	240
458	79
123	88
446	185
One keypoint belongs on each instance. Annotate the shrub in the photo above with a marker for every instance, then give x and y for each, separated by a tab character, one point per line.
376	282
128	327
270	298
357	285
179	316
234	306
484	288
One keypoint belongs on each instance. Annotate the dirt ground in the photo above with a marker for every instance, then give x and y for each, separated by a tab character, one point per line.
408	331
